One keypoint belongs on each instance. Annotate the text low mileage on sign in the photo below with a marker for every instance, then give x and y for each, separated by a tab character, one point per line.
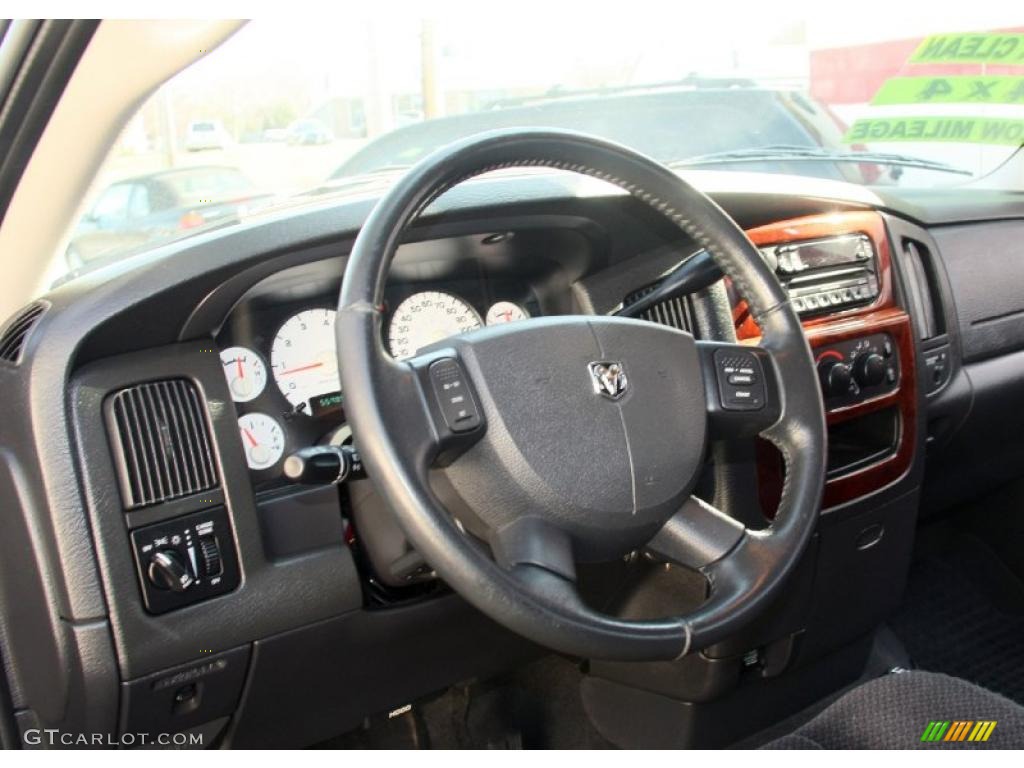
969	130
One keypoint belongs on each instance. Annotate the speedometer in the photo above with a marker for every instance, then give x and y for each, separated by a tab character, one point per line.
426	317
303	357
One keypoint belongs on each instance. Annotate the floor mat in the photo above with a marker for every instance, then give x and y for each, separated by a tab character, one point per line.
536	707
963	613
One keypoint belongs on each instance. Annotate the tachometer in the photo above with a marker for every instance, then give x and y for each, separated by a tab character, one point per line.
426	317
262	439
245	372
303	357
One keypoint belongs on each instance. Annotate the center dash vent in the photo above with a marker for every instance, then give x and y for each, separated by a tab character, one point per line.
162	442
15	333
671	312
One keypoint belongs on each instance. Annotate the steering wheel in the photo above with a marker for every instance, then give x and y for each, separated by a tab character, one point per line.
579	438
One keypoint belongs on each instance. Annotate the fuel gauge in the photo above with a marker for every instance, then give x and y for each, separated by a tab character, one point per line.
245	371
262	439
505	312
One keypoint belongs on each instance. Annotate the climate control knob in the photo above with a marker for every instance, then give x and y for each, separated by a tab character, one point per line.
869	369
167	571
835	376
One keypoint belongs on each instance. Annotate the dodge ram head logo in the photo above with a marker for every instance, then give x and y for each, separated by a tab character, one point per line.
609	379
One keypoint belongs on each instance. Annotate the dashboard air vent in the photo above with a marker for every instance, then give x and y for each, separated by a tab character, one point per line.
15	333
162	441
671	312
923	289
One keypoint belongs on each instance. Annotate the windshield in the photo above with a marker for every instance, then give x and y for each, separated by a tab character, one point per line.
296	108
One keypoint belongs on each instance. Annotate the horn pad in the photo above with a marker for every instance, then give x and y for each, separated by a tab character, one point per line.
597	425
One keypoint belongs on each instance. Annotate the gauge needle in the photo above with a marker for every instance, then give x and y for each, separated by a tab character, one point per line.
241	371
249	437
300	368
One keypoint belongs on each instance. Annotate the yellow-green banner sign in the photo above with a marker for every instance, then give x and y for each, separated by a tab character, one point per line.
970	49
970	130
962	89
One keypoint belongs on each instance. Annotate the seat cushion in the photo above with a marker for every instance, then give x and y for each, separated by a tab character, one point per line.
893	712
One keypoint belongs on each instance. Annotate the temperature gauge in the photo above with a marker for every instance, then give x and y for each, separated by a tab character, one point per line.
262	439
505	312
245	371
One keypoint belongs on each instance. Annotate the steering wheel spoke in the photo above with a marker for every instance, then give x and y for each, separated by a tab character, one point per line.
451	404
697	536
532	541
742	389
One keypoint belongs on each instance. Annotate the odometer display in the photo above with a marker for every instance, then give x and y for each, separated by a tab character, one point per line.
325	405
428	317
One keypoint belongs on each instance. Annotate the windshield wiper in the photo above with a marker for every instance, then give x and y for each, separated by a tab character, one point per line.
814	154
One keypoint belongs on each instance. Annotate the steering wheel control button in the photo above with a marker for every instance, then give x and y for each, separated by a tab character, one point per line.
456	402
185	560
740	380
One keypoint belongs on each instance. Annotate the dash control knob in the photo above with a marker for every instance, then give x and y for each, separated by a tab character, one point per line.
167	571
869	369
209	550
835	377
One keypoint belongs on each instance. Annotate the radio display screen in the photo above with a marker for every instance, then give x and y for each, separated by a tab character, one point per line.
834	252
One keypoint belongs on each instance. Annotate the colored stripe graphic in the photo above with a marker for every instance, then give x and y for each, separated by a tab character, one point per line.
982	730
936	730
958	730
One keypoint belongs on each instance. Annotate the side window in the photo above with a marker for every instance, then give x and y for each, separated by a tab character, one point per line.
113	203
139	205
161	197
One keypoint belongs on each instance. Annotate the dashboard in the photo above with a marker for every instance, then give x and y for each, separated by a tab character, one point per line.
295	586
278	346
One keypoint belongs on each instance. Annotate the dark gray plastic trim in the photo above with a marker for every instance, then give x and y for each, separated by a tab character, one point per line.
274	595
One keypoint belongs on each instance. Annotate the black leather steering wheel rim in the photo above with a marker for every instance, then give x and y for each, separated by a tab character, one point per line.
397	429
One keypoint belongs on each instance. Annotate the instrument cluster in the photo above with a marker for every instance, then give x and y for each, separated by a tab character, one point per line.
281	362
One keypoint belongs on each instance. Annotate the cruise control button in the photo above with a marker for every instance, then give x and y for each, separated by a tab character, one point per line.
453	396
739	380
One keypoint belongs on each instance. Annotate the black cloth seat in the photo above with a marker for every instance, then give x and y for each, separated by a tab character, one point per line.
892	712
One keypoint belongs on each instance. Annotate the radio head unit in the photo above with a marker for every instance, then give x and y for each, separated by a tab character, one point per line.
827	274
